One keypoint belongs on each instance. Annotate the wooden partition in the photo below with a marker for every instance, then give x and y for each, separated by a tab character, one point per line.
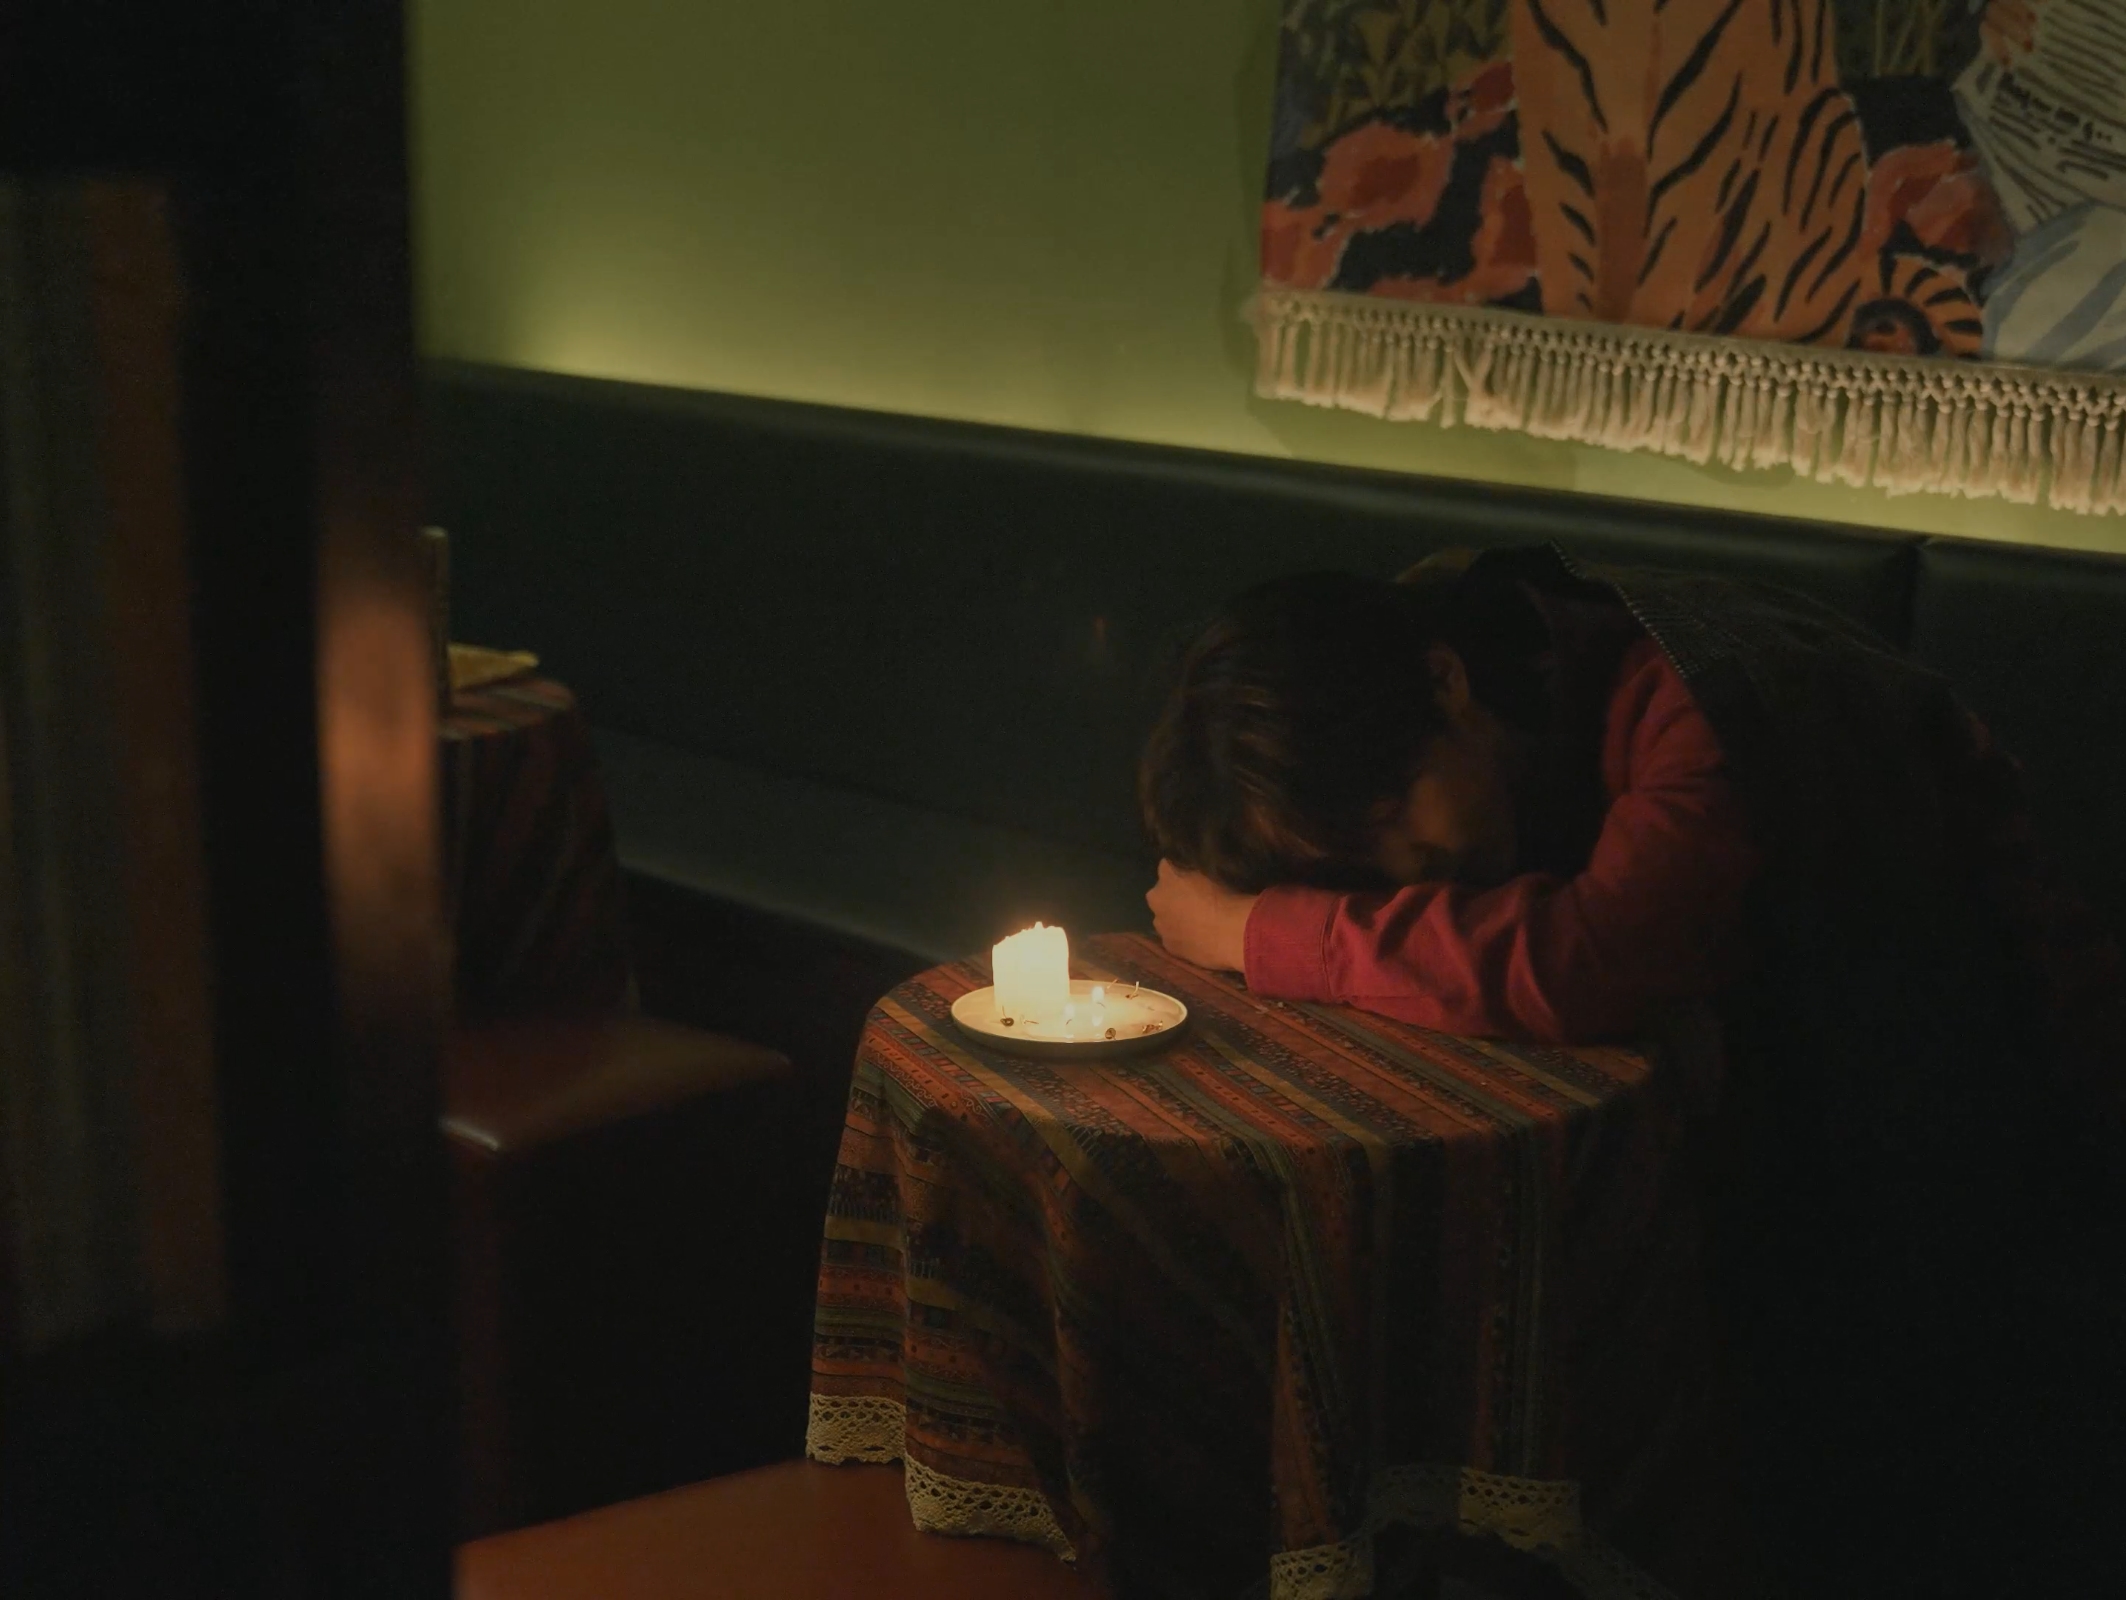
220	778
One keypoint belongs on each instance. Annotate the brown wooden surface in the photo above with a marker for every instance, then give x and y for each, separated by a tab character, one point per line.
793	1531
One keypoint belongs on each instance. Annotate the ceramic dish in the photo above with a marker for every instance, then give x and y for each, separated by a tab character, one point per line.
1104	1019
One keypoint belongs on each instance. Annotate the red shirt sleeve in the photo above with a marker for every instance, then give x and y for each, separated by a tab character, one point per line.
1656	916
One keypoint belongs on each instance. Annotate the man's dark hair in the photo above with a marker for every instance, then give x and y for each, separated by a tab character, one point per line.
1303	708
1300	709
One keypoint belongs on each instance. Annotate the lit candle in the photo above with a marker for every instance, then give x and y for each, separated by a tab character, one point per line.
1032	972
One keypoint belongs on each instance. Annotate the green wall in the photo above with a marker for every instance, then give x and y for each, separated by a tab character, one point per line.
1036	212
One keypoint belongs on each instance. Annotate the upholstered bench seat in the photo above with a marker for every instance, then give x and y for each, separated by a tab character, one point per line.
880	872
793	1531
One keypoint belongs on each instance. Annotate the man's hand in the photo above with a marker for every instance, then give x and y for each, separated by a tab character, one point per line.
1199	920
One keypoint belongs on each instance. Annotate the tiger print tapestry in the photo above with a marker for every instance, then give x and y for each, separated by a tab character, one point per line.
1876	241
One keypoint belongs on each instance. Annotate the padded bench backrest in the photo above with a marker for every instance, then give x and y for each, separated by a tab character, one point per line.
975	620
2035	640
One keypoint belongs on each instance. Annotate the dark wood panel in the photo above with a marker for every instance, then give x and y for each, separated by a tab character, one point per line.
295	1440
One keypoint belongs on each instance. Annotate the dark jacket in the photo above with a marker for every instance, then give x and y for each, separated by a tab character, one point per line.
1917	1141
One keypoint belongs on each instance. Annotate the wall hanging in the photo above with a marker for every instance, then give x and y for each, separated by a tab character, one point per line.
1877	241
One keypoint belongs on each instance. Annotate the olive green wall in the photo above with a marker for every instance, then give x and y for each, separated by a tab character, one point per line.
1036	212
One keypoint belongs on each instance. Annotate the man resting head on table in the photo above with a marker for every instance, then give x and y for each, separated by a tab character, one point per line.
1510	796
1475	805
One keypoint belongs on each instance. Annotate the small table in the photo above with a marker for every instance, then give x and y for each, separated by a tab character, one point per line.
532	884
1210	1320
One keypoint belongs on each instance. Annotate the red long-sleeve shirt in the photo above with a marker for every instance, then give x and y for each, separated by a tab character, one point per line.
1655	916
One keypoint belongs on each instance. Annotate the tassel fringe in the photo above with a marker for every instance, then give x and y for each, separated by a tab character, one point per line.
1903	424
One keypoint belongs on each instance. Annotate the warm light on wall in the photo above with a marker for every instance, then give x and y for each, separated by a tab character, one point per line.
1037	216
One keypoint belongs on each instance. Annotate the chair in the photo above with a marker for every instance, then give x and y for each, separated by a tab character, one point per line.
626	1260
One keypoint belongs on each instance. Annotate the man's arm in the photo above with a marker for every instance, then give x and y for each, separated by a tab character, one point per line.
1656	916
1200	920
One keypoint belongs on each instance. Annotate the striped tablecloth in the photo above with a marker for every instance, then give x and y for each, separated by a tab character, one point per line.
532	876
1212	1321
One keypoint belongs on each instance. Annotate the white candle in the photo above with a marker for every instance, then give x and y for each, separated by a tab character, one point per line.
1032	972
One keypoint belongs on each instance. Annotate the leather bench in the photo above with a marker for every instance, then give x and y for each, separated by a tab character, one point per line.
837	658
892	647
793	1531
884	678
876	870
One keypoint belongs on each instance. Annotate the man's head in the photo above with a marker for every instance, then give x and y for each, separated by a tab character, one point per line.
1327	729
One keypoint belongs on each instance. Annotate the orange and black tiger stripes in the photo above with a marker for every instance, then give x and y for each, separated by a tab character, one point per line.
1693	164
1919	307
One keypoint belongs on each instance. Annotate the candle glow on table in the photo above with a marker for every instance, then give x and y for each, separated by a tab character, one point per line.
1032	972
1035	1008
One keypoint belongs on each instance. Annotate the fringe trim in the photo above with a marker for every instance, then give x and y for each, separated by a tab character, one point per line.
1904	424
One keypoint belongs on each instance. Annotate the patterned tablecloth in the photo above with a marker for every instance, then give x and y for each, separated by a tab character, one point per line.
1211	1321
532	877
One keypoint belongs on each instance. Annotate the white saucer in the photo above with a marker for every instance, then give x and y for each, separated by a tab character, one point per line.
1129	1021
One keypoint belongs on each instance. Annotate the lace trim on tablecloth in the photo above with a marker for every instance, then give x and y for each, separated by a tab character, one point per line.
855	1427
1537	1515
870	1428
954	1505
